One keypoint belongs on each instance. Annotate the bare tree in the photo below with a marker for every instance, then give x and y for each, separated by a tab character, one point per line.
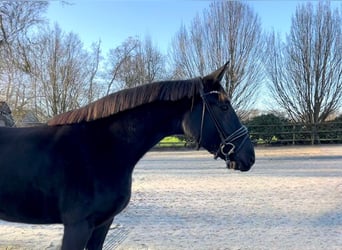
133	63
17	19
94	89
116	59
63	71
227	31
305	72
152	62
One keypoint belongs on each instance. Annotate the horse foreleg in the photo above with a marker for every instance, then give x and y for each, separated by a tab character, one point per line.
76	236
98	236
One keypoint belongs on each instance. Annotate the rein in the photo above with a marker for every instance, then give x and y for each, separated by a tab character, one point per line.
227	147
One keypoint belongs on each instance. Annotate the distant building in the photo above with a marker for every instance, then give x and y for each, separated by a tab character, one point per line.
24	119
28	119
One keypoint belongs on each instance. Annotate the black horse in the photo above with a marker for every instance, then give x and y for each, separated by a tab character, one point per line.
77	170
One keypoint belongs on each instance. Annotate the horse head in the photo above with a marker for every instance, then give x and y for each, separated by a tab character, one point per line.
213	123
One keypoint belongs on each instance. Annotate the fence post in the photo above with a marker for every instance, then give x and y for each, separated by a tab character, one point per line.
293	134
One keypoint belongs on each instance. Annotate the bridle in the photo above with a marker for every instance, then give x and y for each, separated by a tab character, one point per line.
228	142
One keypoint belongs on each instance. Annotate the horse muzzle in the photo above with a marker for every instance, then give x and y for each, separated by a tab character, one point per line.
235	165
243	163
233	162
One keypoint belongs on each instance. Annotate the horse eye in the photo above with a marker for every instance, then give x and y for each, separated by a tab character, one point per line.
224	107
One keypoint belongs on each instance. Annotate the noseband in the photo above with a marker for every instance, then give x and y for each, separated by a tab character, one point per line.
227	146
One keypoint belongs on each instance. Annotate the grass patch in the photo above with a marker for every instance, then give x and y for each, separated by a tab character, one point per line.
171	141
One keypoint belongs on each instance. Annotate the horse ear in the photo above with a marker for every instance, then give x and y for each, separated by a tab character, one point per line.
217	75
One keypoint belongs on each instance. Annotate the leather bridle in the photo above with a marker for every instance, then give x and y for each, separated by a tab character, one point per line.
228	142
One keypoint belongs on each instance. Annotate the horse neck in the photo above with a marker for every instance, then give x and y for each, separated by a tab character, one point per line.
136	131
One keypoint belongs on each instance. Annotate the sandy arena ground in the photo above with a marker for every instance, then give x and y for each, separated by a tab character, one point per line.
291	199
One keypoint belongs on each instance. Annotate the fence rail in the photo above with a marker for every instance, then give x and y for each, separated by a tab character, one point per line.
297	133
286	134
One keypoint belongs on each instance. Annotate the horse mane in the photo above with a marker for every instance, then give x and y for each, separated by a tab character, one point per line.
130	98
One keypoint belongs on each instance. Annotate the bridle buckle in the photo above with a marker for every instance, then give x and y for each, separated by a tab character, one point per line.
227	152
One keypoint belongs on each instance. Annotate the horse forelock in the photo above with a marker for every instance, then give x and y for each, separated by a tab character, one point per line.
130	98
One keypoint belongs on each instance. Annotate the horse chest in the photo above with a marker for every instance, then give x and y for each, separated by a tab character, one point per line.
107	198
